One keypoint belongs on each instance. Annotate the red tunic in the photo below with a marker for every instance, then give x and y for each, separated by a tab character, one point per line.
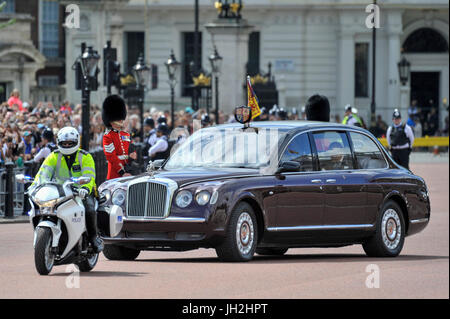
115	147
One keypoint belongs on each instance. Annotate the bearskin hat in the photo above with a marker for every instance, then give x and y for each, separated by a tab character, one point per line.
114	109
318	108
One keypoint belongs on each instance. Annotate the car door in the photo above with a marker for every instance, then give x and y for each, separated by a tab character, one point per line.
300	196
345	195
371	165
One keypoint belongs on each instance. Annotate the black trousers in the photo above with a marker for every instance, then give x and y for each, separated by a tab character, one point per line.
91	216
401	156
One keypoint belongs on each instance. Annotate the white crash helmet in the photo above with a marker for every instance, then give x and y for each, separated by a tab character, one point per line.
68	134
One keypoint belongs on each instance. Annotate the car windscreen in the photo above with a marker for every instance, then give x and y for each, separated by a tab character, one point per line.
227	148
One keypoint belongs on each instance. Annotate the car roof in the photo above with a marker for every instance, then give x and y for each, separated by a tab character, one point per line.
296	126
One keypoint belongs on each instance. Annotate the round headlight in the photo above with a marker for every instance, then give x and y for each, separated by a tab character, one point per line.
183	199
118	197
203	197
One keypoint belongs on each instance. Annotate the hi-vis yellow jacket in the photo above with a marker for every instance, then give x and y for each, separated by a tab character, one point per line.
54	168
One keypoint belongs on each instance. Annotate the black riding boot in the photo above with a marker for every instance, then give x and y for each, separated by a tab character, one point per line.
91	225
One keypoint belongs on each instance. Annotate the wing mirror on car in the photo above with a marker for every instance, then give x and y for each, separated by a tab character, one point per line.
289	166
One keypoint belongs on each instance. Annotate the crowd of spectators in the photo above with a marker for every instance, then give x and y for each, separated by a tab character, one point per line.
22	124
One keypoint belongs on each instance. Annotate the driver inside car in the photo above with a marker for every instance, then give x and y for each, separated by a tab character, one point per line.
71	161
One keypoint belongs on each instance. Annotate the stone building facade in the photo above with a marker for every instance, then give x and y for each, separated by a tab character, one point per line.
314	47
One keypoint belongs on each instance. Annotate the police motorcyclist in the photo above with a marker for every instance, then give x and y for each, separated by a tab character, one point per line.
400	138
71	161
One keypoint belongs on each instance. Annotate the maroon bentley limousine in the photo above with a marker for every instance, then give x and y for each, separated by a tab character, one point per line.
265	189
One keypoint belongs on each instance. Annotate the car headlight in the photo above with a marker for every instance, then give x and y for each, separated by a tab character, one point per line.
203	197
183	199
118	197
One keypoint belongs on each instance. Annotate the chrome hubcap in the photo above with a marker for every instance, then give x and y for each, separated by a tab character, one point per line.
391	229
245	233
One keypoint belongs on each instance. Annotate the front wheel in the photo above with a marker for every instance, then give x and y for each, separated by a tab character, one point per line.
390	233
242	235
113	252
44	258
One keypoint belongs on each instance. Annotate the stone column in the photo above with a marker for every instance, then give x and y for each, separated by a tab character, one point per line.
394	30
346	71
231	39
405	91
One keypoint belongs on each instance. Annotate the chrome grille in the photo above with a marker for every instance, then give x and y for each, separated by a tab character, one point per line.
147	200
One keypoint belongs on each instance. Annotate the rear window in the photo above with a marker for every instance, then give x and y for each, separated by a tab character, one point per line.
368	155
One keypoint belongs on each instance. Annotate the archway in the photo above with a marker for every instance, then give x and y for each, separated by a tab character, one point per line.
427	49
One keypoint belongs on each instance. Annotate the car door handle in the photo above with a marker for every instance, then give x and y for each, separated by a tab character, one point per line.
331	181
316	181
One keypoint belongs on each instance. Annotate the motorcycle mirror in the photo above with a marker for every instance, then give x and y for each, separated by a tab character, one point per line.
82	180
22	179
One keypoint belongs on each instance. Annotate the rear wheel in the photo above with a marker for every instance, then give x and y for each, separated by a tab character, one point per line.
44	258
242	235
88	263
113	252
390	233
271	251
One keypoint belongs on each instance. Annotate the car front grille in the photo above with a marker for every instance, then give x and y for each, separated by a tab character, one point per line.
147	200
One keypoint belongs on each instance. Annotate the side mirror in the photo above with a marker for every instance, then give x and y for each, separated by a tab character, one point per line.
289	166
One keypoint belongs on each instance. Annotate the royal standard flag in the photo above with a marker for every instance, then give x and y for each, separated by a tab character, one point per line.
252	99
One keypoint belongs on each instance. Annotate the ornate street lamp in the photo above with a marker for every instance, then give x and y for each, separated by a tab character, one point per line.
404	69
88	60
172	66
216	66
142	73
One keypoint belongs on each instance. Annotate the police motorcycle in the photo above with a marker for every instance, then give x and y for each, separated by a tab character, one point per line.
58	217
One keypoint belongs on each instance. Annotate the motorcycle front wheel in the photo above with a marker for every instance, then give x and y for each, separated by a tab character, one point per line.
44	259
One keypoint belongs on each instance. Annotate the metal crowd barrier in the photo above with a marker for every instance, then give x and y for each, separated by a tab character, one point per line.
13	202
427	141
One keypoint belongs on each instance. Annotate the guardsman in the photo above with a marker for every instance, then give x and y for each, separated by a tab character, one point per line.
400	138
116	142
351	118
71	161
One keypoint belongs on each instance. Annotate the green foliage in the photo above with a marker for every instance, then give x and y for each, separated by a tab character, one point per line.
8	23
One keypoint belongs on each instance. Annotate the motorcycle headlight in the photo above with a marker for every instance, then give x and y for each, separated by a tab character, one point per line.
118	197
183	199
48	203
203	197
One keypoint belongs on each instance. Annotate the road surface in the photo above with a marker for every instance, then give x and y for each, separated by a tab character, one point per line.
421	271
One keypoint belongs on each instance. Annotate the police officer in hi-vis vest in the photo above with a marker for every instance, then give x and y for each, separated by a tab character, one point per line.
71	161
400	138
116	143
